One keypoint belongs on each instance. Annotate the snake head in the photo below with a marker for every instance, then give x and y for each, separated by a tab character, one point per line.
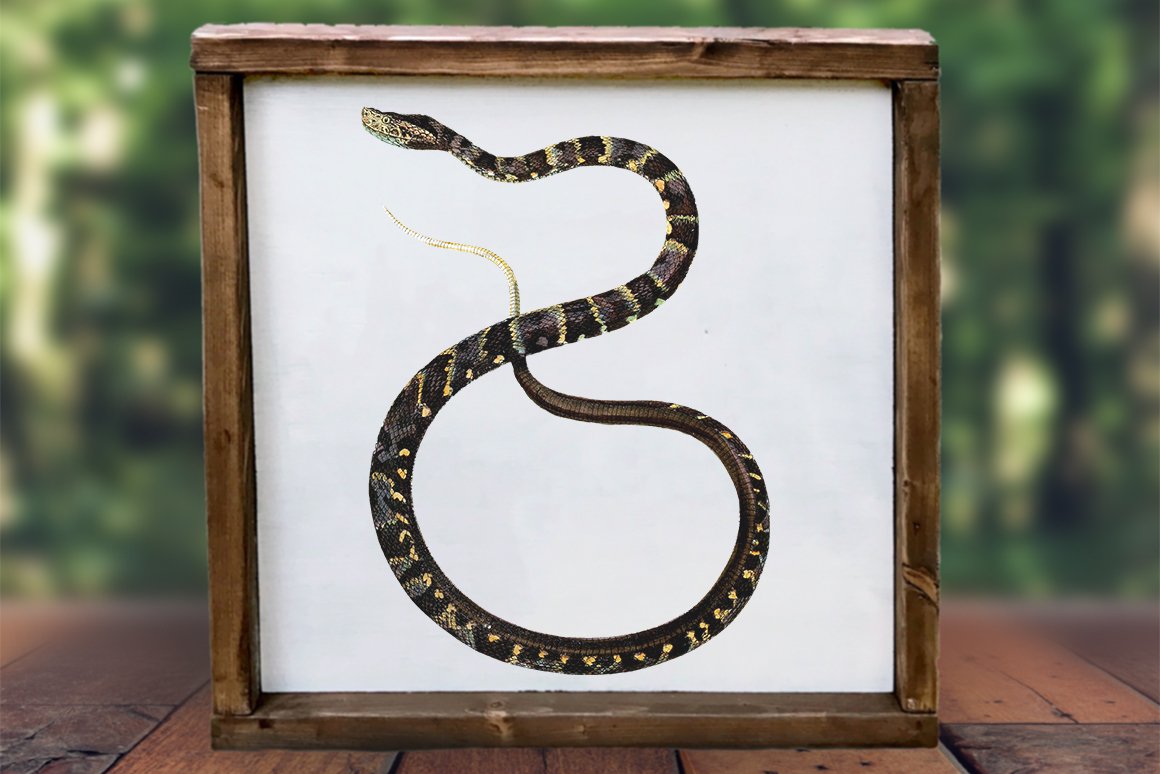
416	132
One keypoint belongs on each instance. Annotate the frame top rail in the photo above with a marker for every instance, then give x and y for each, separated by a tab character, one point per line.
647	52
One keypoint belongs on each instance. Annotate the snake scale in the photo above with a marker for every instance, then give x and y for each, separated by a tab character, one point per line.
511	341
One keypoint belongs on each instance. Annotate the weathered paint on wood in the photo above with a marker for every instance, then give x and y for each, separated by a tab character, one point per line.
1112	749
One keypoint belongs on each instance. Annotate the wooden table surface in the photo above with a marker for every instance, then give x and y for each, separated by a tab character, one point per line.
124	689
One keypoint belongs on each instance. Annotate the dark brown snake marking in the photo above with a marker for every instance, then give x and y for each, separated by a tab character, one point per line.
511	341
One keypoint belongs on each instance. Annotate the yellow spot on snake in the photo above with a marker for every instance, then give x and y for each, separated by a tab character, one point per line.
425	412
516	649
561	324
470	375
596	315
755	476
692	637
404	452
403	535
660	184
402	473
638	656
665	204
727	434
703	625
733	594
747	574
542	653
668	227
498	359
399	497
563	659
589	660
616	659
717	613
413	555
675	405
438	594
604	157
492	638
401	519
628	294
761	528
666	648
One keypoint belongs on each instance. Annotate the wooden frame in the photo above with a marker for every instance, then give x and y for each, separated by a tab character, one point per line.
244	716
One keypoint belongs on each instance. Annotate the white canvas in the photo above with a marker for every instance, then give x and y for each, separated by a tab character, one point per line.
783	331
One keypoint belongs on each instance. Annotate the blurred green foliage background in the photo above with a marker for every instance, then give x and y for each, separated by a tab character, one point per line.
1051	260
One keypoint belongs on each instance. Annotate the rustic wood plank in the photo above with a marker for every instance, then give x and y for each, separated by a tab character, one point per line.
1108	749
477	761
916	417
565	51
181	745
106	677
148	656
229	411
541	761
803	761
602	760
998	670
72	738
25	626
372	721
1123	641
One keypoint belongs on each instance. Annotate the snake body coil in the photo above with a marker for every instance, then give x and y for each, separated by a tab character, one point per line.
511	341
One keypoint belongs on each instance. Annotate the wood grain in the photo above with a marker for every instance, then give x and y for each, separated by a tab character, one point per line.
1122	640
803	761
477	761
916	414
602	760
368	721
995	671
102	677
182	746
1113	749
565	51
28	625
115	657
593	760
229	410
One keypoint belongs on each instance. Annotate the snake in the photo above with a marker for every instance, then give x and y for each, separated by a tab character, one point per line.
512	341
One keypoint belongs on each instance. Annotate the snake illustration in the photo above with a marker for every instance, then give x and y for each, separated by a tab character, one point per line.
511	341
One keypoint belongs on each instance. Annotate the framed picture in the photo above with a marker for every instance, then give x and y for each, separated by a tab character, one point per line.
600	494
